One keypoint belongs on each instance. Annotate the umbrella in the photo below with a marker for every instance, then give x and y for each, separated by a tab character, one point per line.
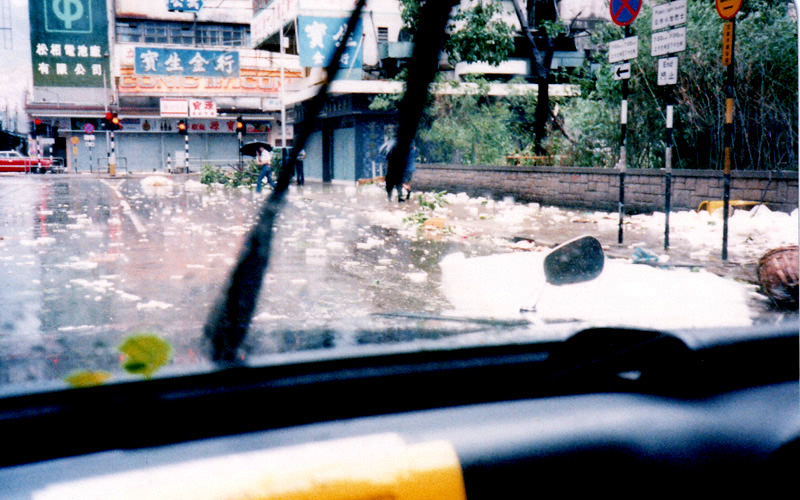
387	147
251	148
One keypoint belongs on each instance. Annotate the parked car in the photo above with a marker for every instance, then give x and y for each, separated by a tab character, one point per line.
13	161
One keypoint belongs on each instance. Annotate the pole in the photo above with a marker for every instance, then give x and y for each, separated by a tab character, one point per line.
241	167
112	159
726	183
186	149
623	153
668	170
282	41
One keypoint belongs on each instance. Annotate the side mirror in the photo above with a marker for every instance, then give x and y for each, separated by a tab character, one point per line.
575	261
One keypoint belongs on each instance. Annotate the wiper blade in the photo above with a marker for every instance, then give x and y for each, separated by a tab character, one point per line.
458	319
229	320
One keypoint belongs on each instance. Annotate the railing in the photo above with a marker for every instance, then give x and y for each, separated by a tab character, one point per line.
195	164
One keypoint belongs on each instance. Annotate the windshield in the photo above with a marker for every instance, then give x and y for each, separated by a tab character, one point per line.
196	205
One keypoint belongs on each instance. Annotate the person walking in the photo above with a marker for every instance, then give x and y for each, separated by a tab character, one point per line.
264	160
411	167
298	169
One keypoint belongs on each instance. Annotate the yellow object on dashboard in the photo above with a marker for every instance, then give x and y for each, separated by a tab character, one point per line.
377	467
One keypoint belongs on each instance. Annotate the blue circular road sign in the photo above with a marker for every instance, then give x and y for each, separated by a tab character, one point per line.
623	12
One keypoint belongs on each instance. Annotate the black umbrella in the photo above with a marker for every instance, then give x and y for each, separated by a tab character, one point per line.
251	148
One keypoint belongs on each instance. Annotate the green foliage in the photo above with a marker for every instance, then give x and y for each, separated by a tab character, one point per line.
145	353
228	177
475	33
467	129
428	204
212	175
765	88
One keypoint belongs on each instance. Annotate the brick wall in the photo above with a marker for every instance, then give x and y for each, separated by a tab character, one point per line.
598	188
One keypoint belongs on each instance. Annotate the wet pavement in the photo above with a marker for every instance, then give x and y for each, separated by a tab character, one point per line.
89	260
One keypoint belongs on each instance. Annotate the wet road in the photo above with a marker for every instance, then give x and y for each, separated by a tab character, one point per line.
87	261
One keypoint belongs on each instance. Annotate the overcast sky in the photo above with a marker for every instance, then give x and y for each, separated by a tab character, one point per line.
15	63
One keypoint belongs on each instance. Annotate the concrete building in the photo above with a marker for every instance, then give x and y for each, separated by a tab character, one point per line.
154	63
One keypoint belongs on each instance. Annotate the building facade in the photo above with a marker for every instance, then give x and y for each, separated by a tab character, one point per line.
153	63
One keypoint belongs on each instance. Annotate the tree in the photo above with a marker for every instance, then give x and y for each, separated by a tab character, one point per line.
475	33
765	121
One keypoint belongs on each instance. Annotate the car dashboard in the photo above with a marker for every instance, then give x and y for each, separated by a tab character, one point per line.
631	411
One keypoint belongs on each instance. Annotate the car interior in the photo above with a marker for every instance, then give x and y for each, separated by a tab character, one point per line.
618	410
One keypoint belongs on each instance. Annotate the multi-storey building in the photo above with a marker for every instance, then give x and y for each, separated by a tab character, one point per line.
153	63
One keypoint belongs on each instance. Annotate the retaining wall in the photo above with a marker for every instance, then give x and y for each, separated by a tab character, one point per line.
598	188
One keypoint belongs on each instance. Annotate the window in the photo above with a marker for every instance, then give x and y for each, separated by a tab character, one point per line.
161	32
383	34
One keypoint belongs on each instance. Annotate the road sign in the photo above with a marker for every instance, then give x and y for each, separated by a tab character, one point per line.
624	49
668	71
88	128
727	9
668	42
623	12
622	71
74	140
88	137
669	14
727	43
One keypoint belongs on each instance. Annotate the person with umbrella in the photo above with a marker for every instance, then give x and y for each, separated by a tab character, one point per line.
264	160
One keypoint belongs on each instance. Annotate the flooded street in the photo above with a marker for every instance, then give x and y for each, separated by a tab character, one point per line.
86	261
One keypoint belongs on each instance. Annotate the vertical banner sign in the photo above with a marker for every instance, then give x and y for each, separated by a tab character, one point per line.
69	42
318	37
623	13
727	10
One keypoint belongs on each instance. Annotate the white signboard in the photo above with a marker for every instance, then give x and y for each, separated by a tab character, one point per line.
668	42
669	14
623	50
202	108
174	107
668	71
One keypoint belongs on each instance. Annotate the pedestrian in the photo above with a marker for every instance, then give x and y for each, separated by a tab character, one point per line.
301	179
264	159
411	167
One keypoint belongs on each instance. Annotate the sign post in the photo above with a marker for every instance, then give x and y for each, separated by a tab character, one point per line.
668	42
727	10
623	13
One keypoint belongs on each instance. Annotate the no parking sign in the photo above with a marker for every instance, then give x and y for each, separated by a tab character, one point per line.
624	12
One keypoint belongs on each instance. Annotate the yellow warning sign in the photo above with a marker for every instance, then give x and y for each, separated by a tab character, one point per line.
727	9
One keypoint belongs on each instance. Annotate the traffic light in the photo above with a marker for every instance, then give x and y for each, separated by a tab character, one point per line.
241	128
37	127
112	121
182	128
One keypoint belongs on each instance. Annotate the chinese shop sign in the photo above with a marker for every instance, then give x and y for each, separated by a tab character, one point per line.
186	62
69	42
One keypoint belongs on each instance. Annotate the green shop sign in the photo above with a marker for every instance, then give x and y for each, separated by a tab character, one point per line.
69	39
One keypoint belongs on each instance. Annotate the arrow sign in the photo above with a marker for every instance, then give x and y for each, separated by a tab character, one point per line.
622	71
623	12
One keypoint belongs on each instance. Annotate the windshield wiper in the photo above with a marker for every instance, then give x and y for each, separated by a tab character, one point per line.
229	320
